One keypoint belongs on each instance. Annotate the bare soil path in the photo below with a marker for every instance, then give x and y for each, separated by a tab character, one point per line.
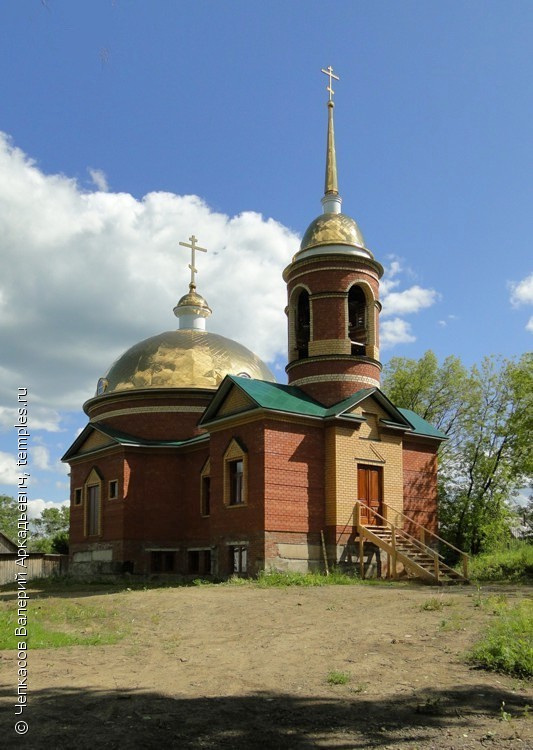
238	667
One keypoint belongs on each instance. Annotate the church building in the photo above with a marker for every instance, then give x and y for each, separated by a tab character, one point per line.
196	462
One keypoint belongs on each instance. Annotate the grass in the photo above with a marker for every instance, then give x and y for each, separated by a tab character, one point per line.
507	645
514	565
338	678
435	604
454	622
278	580
54	623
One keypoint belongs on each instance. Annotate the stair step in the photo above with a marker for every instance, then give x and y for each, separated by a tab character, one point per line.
417	556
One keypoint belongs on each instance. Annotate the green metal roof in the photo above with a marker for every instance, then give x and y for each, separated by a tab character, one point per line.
122	438
421	426
266	395
290	399
279	397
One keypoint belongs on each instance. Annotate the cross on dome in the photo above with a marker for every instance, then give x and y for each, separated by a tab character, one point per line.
193	248
329	72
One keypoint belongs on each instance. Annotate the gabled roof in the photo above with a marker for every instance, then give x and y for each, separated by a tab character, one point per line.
123	438
7	542
262	395
343	407
265	395
277	397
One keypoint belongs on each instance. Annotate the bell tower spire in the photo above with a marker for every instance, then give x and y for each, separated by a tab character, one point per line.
331	200
333	291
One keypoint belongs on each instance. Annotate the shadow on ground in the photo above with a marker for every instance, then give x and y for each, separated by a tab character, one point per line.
64	719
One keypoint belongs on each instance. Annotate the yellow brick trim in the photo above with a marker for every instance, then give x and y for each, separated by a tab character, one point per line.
235	401
95	440
328	295
372	382
329	346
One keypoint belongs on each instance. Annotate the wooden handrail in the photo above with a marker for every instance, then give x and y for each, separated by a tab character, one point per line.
425	530
421	544
416	541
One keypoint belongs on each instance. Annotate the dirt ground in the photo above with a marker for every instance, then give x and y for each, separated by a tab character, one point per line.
244	667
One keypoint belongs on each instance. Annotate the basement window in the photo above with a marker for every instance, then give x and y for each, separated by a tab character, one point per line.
239	558
199	561
162	561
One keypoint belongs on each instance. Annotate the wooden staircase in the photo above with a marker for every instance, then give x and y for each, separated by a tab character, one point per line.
417	558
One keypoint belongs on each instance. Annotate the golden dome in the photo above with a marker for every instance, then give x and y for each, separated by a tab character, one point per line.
186	358
332	229
193	299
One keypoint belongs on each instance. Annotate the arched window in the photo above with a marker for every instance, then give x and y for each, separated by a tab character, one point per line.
303	327
357	319
93	509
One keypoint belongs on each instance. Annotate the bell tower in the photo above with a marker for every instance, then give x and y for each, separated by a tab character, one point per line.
333	298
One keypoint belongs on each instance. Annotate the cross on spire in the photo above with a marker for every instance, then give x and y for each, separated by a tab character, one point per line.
193	248
329	72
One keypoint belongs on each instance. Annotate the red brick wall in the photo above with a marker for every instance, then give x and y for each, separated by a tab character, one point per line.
420	484
294	477
110	466
329	318
333	279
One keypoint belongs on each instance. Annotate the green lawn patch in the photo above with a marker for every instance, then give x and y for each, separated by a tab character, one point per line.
507	645
514	565
57	623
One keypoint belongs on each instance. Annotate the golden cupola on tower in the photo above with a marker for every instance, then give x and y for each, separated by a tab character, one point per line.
189	357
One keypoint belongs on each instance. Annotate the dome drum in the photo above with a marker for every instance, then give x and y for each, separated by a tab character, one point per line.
165	414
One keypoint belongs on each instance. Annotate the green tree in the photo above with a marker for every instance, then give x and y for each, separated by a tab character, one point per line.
435	393
487	415
51	530
9	516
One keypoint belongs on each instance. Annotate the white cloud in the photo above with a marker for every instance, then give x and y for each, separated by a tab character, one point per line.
449	318
522	292
36	507
9	472
85	275
389	280
39	456
395	331
39	418
99	179
399	303
408	301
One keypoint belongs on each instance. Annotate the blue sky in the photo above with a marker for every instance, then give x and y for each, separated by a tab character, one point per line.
129	125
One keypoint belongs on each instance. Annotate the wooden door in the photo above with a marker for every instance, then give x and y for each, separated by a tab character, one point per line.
370	493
